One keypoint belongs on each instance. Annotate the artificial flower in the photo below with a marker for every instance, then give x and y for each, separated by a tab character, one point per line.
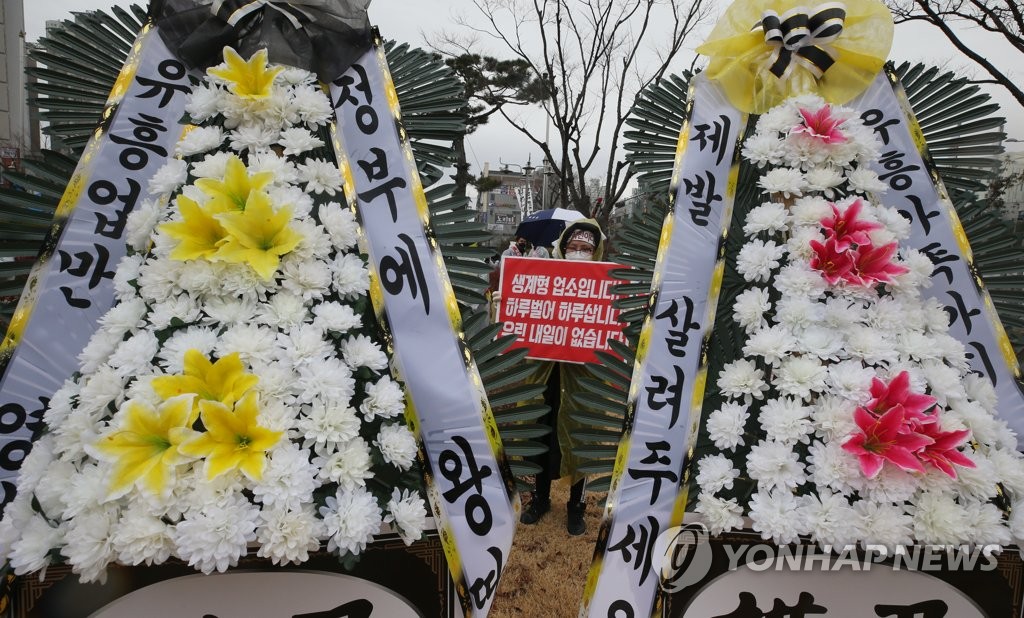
257	236
233	440
248	79
224	381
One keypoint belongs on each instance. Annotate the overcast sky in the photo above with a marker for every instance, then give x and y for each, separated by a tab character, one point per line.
413	20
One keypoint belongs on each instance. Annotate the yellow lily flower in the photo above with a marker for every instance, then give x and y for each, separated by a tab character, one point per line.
144	450
224	381
198	233
232	440
232	192
259	236
248	79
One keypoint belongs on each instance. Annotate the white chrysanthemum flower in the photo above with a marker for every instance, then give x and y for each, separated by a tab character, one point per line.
213	165
158	279
215	535
397	445
758	258
335	317
91	485
939	520
349	467
725	425
53	486
309	279
312	107
341	224
824	343
253	343
351	519
785	181
135	354
172	354
980	389
798	279
741	379
800	376
1009	469
125	316
830	519
850	380
799	244
762	149
324	426
315	244
127	271
101	345
776	515
287	536
891	485
283	170
718	514
33	550
770	217
180	307
169	177
320	176
786	420
203	102
142	537
985	525
230	311
884	523
752	304
863	180
330	379
943	382
284	309
36	464
775	464
288	480
351	278
832	467
824	179
869	345
408	513
798	312
384	399
141	222
297	140
361	351
809	210
773	344
102	387
252	137
304	344
199	140
715	473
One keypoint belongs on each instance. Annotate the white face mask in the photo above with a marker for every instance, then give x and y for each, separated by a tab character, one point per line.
579	255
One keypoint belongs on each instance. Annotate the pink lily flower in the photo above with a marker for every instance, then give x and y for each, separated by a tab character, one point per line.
874	264
943	452
846	228
830	261
885	438
897	393
821	125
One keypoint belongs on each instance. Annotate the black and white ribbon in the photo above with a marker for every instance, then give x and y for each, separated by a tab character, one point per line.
233	12
802	36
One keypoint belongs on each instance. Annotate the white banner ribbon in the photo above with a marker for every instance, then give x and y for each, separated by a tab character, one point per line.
71	286
471	492
667	391
916	190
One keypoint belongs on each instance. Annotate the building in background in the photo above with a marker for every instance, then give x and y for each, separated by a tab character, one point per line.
19	134
517	194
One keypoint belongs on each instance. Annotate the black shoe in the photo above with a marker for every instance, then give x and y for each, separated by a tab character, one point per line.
574	522
538	507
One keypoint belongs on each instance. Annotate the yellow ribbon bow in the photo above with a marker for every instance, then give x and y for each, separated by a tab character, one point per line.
765	51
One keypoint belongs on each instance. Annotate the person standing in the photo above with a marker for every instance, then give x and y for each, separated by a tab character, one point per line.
581	240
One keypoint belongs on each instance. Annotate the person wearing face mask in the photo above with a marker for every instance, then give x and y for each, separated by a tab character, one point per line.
582	240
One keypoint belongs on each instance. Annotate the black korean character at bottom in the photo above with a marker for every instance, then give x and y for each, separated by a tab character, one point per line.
483	588
934	608
478	511
656	475
748	608
637	546
621	609
397	274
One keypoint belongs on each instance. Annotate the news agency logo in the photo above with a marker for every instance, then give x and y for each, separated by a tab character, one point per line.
687	556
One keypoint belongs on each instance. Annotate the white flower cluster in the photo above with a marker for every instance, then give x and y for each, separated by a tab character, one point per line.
826	329
321	378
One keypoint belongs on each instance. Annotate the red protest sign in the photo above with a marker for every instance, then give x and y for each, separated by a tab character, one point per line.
559	309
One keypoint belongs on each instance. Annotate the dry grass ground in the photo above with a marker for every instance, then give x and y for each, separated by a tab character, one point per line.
547	567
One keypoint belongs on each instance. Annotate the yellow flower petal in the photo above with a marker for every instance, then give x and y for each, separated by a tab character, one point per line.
224	381
248	79
233	439
198	233
232	192
144	449
259	236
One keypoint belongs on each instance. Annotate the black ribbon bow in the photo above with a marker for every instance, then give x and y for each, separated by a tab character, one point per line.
323	36
800	36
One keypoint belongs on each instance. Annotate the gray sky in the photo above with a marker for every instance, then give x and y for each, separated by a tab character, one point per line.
412	21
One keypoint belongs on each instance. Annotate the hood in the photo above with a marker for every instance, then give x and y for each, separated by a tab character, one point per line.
585	224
